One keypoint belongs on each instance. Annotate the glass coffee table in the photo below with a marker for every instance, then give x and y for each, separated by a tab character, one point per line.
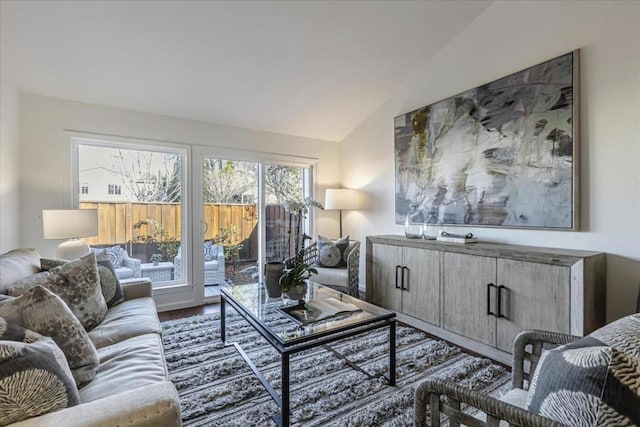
289	330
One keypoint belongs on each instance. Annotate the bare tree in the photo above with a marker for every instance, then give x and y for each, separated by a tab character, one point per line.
149	176
226	181
284	182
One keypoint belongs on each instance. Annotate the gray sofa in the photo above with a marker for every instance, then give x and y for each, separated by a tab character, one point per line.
131	387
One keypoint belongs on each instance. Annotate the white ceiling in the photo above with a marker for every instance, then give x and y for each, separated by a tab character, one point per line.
314	68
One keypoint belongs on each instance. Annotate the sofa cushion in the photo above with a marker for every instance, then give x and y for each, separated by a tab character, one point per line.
17	264
331	253
129	319
598	385
45	313
127	365
77	283
110	286
34	375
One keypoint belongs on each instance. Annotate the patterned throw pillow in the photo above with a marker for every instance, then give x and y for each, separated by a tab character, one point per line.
34	375
109	283
77	283
332	253
42	311
598	385
115	255
210	251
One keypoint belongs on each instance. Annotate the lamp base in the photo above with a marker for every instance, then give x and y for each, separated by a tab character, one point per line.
72	249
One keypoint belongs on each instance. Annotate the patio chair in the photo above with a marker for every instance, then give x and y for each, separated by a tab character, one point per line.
124	266
214	265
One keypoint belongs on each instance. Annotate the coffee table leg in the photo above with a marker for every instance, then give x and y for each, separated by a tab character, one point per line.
285	389
392	353
222	320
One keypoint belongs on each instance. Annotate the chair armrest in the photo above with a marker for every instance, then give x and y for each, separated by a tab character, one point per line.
353	270
310	255
538	340
134	264
149	406
430	391
137	289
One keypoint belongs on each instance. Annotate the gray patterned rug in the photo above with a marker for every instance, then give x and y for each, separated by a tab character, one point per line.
217	388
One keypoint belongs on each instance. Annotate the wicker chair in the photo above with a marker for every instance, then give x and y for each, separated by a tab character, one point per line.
342	279
527	349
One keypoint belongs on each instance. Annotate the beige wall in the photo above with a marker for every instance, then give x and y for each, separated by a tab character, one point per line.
508	37
9	175
45	157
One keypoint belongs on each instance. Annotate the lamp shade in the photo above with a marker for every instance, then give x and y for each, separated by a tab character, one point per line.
69	223
341	198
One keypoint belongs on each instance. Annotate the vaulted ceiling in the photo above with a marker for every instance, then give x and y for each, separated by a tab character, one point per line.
309	68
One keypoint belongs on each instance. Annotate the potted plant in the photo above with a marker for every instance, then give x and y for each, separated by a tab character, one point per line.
156	258
293	280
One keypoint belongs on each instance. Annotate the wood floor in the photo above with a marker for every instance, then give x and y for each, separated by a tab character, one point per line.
188	312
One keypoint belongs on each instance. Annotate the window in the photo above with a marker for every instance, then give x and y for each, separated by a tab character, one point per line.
114	189
140	209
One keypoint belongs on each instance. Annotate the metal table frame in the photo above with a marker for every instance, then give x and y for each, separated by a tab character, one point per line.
301	344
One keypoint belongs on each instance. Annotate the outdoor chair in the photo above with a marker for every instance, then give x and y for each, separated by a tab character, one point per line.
342	279
214	264
124	266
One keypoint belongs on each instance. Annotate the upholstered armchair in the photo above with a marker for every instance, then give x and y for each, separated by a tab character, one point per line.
214	264
125	266
342	279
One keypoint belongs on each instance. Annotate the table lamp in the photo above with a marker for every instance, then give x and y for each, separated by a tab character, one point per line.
341	199
70	224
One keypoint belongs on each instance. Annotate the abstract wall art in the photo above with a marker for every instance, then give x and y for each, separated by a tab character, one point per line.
503	154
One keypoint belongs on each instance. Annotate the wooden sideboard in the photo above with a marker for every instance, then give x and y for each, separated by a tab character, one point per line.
481	295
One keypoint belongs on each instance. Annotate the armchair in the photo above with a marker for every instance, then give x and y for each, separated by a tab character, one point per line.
124	266
343	279
214	264
561	373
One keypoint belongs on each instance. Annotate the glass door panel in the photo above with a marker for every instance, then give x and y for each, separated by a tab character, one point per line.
231	223
284	188
138	195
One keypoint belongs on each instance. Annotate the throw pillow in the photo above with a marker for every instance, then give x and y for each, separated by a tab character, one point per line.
34	375
109	283
210	251
331	253
115	255
42	311
77	283
599	385
15	265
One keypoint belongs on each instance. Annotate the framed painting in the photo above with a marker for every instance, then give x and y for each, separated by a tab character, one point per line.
504	154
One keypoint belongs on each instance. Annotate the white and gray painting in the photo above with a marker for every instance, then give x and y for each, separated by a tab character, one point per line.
500	154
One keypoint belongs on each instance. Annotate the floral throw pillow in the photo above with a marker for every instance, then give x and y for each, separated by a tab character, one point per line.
77	283
332	253
42	311
34	375
110	285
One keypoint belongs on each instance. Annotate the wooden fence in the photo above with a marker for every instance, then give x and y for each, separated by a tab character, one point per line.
116	221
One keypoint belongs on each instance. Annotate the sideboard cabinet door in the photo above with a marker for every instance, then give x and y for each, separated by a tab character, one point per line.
421	294
533	296
384	259
469	289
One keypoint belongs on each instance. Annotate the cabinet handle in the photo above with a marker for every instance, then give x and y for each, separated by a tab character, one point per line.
489	286
500	288
397	268
403	287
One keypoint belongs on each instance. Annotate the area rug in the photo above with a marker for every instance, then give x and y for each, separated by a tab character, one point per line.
217	388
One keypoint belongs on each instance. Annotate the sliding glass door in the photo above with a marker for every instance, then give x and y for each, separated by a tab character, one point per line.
246	218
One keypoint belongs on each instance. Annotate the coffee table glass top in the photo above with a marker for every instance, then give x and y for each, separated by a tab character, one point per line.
253	300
